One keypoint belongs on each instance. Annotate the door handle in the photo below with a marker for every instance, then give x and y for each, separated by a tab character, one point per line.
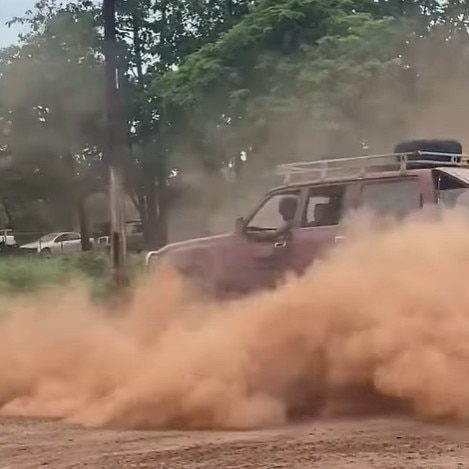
280	244
339	238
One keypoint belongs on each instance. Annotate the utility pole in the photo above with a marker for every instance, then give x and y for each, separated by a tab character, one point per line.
116	148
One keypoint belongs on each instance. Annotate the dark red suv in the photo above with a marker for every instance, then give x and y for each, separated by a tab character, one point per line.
296	222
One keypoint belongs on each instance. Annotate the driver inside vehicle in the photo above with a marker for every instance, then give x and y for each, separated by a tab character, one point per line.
287	208
275	218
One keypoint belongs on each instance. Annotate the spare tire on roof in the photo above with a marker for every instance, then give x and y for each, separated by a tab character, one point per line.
431	146
436	146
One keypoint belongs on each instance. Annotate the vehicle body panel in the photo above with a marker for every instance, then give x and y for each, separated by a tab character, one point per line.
309	244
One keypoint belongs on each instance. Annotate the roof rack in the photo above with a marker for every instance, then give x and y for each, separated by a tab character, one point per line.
361	166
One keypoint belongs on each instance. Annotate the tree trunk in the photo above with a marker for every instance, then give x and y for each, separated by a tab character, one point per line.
161	170
84	226
162	201
9	218
154	213
141	205
147	205
151	213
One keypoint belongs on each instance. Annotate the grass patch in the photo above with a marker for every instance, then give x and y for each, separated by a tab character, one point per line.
21	275
30	274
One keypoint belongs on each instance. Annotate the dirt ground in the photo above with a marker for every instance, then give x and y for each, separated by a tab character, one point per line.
345	443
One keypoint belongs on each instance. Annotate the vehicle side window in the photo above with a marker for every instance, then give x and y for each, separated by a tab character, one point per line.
324	206
451	192
275	212
396	197
103	240
67	237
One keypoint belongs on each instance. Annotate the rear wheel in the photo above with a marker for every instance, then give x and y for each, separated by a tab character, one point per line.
46	252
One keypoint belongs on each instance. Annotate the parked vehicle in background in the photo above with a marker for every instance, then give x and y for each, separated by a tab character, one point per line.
7	240
55	243
135	239
101	242
134	236
296	223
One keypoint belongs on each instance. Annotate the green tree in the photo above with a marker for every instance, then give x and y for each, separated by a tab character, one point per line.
158	35
51	102
283	59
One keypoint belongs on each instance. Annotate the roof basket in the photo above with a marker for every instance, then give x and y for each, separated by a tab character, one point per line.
362	166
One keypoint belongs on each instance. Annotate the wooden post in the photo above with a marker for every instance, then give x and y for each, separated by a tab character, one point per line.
116	149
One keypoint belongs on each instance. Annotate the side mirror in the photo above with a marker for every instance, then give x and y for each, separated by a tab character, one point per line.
239	225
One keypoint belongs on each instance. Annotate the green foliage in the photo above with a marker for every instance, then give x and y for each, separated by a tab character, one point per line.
305	58
273	29
51	111
345	68
90	264
31	274
18	275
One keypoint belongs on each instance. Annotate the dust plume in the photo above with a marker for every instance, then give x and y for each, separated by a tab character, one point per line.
384	316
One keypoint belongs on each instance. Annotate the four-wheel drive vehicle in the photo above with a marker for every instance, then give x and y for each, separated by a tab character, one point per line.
295	223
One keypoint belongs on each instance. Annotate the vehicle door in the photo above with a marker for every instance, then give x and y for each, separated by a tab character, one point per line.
321	223
257	254
72	242
59	244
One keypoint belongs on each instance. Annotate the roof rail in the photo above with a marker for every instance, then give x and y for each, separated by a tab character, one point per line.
361	166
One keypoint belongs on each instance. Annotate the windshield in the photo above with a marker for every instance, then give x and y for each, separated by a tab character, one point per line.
270	215
48	237
454	198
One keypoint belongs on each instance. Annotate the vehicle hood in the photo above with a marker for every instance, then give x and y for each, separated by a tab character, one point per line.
195	243
190	250
33	245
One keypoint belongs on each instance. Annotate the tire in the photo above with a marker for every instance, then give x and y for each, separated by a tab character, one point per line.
46	252
437	146
431	146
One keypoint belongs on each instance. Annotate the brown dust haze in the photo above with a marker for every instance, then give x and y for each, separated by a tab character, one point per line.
384	320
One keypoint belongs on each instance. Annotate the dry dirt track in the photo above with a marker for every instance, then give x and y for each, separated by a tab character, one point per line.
361	443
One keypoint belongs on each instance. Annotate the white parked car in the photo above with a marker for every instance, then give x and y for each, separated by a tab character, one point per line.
8	239
56	243
102	242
